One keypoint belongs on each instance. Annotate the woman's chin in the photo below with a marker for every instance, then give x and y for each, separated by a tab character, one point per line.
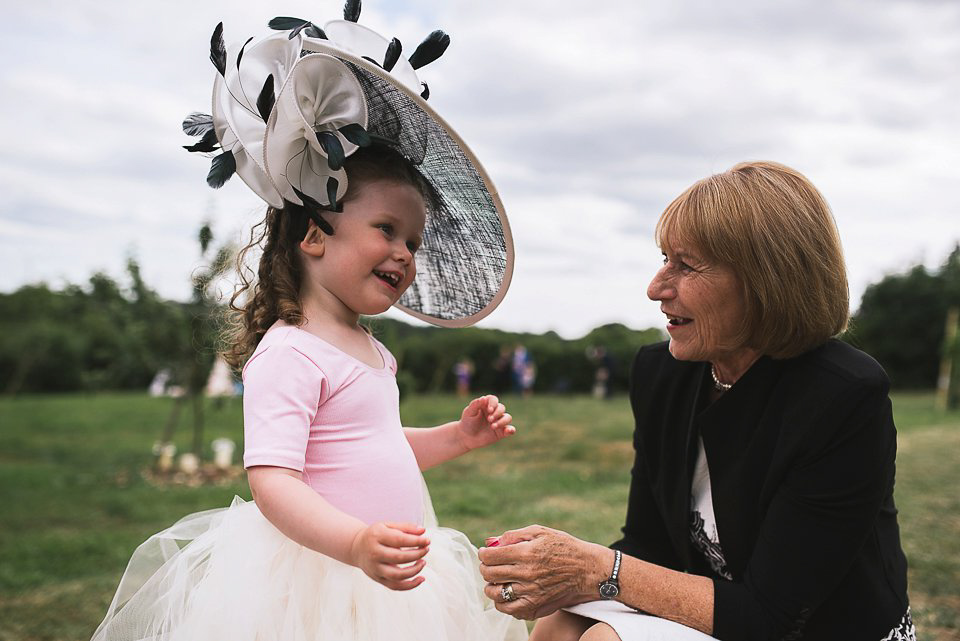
684	351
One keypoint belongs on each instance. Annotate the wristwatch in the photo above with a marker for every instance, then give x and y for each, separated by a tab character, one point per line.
610	588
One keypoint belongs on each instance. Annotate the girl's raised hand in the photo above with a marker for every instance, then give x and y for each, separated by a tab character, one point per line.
391	554
484	421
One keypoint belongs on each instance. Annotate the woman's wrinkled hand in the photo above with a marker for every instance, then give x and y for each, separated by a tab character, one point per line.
548	570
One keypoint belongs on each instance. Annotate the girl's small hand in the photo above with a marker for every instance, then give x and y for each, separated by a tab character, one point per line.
484	421
391	554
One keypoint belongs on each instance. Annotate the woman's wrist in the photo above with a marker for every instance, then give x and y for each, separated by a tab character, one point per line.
598	564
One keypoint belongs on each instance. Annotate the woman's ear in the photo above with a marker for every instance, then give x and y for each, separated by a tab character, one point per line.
313	241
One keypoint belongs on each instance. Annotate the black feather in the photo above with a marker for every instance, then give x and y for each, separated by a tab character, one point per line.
282	23
356	134
334	150
312	212
222	167
430	49
209	142
351	10
392	55
425	94
332	185
369	59
266	99
240	55
296	32
313	31
197	124
313	208
308	201
324	226
218	52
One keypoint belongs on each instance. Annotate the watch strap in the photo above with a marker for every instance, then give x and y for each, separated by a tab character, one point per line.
610	588
617	557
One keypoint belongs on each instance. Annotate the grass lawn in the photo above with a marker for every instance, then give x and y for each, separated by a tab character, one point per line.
74	503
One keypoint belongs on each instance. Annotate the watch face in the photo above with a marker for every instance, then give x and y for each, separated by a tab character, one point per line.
609	590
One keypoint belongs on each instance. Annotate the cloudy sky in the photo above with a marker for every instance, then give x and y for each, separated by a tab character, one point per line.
589	116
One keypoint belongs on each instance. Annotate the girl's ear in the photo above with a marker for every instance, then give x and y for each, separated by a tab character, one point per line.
313	241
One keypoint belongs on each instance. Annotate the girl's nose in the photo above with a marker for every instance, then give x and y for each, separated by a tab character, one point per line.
403	254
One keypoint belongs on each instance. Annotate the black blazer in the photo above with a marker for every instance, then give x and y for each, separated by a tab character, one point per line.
801	456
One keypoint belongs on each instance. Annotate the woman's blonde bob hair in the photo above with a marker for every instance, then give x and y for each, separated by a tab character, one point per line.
774	229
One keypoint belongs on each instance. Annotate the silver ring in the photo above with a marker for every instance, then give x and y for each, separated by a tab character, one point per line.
506	592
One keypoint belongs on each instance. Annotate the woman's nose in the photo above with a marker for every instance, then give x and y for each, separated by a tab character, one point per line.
659	288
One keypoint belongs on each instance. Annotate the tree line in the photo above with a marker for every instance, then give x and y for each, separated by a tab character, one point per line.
901	322
108	335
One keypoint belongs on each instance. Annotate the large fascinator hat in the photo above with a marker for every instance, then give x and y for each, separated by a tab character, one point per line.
290	106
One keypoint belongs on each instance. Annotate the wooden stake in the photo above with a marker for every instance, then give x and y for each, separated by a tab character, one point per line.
946	394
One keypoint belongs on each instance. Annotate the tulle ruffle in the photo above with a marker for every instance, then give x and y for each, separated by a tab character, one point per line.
230	574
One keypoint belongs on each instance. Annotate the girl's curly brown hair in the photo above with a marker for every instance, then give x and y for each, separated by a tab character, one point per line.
274	292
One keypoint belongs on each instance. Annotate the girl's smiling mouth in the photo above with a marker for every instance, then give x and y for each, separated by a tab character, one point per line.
390	278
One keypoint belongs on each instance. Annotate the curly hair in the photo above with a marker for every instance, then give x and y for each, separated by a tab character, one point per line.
274	292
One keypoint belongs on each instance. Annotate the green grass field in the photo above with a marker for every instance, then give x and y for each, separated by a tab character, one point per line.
74	502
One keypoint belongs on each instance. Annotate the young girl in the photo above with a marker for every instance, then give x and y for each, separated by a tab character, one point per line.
340	542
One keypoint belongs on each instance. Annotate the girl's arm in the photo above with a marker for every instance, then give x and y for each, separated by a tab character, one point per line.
483	421
307	518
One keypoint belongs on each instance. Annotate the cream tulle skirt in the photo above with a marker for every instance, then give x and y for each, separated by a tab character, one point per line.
230	575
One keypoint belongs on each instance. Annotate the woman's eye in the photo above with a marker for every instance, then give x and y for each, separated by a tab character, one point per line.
678	264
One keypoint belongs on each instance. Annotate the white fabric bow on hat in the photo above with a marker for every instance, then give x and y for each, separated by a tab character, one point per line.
287	113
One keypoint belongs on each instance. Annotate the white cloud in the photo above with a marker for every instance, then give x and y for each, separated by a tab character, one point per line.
589	117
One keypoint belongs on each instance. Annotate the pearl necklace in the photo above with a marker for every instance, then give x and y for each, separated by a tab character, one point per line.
720	387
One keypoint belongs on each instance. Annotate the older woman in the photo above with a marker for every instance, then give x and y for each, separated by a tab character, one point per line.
761	501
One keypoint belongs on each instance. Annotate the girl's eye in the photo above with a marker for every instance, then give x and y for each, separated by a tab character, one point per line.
413	247
386	228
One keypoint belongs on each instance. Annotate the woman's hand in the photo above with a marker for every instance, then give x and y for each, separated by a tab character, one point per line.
547	569
391	554
484	421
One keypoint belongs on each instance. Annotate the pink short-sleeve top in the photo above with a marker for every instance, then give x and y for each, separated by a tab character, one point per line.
310	407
